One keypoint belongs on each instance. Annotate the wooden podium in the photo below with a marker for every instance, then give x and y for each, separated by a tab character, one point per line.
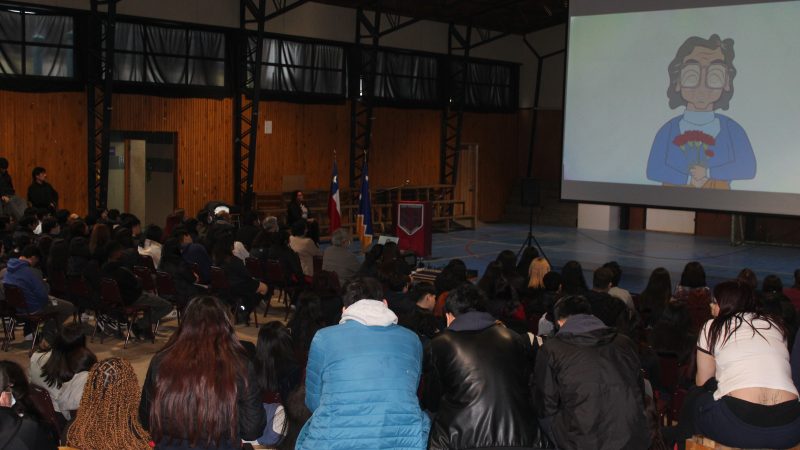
413	226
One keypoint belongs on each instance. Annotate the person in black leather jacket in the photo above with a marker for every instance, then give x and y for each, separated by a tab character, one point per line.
476	380
588	383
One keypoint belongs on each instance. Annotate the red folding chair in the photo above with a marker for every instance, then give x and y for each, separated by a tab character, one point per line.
145	278
221	287
113	305
165	285
147	261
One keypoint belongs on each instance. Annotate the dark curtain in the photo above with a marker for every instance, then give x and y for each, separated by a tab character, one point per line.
490	85
401	76
166	55
47	44
303	67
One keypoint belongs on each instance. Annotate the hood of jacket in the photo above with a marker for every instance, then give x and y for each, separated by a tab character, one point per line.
472	321
370	313
586	330
16	264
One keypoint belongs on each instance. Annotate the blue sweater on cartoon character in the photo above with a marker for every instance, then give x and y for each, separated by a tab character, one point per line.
733	157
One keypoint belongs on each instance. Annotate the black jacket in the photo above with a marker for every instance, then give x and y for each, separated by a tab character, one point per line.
589	388
23	433
42	196
477	384
252	418
6	185
130	289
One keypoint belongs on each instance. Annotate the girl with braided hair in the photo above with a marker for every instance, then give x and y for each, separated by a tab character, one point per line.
106	417
201	389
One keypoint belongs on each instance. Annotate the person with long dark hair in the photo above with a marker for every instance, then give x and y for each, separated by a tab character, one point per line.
694	291
200	389
63	369
655	296
297	210
308	318
19	430
746	397
277	372
574	281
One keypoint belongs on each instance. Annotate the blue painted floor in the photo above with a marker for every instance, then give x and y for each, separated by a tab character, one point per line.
638	252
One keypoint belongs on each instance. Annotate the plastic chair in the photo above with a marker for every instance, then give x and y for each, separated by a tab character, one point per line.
113	305
145	278
276	279
317	263
254	268
15	299
165	285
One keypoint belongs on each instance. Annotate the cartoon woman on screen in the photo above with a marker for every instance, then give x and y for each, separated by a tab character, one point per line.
701	148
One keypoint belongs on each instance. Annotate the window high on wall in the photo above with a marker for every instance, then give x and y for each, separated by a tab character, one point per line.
169	55
407	77
311	68
35	44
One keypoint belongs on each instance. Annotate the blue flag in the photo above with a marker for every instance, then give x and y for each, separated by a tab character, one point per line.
364	217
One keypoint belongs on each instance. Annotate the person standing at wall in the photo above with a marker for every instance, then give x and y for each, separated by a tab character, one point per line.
10	204
41	194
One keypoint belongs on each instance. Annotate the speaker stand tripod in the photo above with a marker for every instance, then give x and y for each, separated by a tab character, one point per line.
531	239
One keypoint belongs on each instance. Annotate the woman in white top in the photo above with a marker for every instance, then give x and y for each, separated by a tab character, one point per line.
62	370
748	399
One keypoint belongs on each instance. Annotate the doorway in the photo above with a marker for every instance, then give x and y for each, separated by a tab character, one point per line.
141	174
466	188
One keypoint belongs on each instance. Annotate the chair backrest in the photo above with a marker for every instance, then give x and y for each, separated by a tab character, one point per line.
44	406
275	273
147	261
109	292
254	267
669	370
145	278
219	280
15	297
77	287
438	309
317	263
326	284
58	283
165	284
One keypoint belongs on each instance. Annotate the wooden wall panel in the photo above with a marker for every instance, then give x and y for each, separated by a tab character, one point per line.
498	137
204	154
48	130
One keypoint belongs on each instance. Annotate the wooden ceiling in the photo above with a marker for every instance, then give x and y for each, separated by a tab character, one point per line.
508	16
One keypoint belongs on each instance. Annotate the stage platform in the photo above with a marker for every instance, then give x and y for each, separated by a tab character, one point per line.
637	252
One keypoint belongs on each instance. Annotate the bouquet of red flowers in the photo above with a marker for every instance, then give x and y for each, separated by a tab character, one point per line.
698	144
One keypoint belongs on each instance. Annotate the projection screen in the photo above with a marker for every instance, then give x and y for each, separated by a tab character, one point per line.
685	104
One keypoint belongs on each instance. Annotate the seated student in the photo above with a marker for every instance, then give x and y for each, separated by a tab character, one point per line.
194	254
773	302
793	292
574	281
553	291
745	396
22	273
290	261
337	258
421	319
130	290
655	296
362	378
19	430
611	310
172	263
152	243
588	390
694	291
305	248
243	287
106	418
308	318
177	405
277	372
476	380
63	369
615	290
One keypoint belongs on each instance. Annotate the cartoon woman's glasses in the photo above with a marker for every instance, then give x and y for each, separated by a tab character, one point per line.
716	75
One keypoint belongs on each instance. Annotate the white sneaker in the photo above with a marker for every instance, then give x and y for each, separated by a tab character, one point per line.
29	337
171	315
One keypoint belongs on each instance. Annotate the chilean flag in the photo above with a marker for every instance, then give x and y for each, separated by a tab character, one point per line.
334	207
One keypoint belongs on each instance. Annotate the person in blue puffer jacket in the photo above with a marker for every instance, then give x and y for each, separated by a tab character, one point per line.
362	378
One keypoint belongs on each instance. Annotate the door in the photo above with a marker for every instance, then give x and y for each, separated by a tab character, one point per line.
467	181
141	178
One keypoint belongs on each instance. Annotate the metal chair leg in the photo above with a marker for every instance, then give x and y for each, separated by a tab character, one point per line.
35	335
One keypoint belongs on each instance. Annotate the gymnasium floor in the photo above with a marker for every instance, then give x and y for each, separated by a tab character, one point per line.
638	252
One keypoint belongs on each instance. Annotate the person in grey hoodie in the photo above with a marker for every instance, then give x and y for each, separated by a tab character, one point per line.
589	388
23	274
